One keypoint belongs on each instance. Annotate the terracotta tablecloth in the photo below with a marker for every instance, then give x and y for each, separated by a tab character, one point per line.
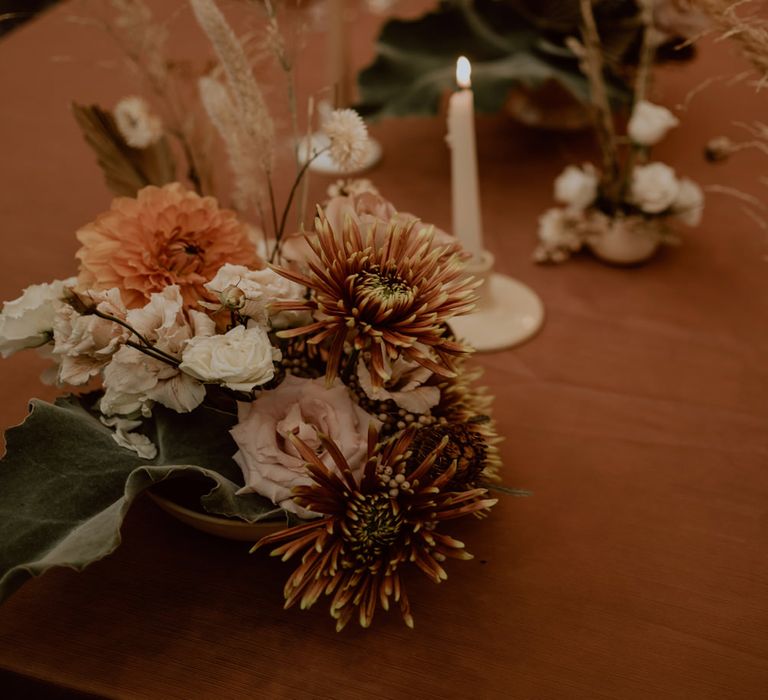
637	417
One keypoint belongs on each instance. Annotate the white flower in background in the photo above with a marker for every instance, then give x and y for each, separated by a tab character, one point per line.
27	322
557	229
133	380
679	18
405	386
136	122
347	188
379	7
650	123
84	344
654	187
251	292
348	137
240	359
271	464
577	187
689	204
123	436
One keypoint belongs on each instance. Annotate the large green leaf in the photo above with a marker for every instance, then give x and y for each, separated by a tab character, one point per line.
507	44
65	485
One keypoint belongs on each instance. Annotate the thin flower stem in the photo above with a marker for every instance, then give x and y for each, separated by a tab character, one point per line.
153	353
638	152
601	108
272	206
146	343
291	195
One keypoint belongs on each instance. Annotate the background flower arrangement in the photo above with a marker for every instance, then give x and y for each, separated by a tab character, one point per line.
325	386
514	45
622	210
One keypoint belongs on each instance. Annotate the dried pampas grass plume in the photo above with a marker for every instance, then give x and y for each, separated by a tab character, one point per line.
751	33
252	113
247	186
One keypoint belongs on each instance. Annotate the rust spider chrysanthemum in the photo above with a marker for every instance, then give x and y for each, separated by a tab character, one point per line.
371	529
387	300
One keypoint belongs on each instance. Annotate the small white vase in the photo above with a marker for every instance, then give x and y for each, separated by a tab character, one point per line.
626	241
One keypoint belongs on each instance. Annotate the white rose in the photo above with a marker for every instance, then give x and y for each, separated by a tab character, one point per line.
27	322
257	290
136	123
576	187
689	205
650	123
240	359
654	187
271	464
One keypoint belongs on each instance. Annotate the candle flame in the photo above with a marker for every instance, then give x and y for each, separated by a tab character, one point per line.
463	72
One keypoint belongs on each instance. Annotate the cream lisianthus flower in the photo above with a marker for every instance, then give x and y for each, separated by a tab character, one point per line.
689	204
137	124
133	380
348	138
271	464
577	187
650	123
27	322
85	343
654	187
240	359
124	436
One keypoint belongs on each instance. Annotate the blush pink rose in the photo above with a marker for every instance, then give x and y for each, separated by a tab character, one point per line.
270	463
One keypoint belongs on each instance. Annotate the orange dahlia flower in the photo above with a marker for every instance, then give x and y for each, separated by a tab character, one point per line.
166	235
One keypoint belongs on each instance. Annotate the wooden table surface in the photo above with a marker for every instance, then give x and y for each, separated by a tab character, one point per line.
638	418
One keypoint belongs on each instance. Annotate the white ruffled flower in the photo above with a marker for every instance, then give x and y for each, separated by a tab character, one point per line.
689	204
348	137
654	187
240	359
650	123
123	436
136	122
133	380
556	229
577	187
27	322
85	343
405	386
252	292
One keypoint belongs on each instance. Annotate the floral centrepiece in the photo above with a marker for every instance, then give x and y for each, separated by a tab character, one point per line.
623	210
305	377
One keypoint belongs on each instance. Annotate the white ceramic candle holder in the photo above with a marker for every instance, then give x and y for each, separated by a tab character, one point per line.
325	165
507	314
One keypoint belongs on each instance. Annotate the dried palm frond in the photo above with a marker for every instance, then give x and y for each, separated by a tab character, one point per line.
126	169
